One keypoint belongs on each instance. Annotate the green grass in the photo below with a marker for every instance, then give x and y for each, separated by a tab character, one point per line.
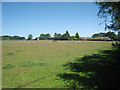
35	64
8	66
9	53
30	64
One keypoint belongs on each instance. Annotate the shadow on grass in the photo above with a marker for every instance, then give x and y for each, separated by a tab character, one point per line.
94	71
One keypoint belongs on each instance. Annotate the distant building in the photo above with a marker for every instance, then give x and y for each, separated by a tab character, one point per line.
37	39
97	38
88	38
82	38
102	38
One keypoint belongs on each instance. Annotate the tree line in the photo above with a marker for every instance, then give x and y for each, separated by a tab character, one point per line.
109	34
65	36
6	37
57	36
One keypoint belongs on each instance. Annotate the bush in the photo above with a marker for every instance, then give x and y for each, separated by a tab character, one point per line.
78	39
99	39
75	39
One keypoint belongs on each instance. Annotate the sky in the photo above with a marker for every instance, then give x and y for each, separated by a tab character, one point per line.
24	18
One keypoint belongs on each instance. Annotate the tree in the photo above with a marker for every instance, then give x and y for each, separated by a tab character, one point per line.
119	33
57	36
66	36
22	38
15	38
6	37
30	37
44	36
48	36
77	35
67	33
111	35
41	36
72	37
99	35
0	37
111	9
118	36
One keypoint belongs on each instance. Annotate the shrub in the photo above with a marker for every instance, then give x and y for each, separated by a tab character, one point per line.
99	39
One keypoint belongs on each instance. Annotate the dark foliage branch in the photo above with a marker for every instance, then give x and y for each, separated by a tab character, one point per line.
110	9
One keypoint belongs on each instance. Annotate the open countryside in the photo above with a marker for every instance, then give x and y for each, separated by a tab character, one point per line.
58	45
35	64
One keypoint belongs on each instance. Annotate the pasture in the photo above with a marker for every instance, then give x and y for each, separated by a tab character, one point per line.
35	64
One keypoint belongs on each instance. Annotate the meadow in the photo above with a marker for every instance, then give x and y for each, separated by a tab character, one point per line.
35	64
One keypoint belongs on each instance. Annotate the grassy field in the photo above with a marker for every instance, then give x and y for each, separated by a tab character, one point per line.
35	64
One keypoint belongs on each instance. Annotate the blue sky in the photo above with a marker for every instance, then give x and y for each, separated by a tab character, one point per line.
23	18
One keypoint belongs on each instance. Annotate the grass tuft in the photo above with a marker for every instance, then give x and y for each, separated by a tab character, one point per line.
8	66
26	64
29	64
41	63
10	53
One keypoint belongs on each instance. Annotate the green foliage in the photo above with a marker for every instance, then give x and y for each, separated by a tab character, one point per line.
111	9
66	36
17	38
44	36
52	38
6	37
99	39
111	35
67	33
30	37
57	36
48	35
72	37
0	37
99	35
118	36
75	39
77	35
